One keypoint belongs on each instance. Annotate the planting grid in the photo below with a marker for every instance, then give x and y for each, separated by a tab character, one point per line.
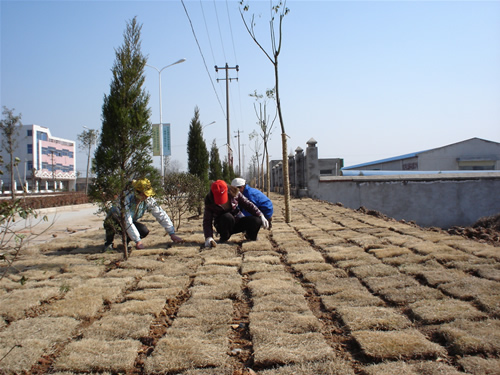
333	292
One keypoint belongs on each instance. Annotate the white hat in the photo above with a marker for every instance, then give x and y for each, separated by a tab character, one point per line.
237	182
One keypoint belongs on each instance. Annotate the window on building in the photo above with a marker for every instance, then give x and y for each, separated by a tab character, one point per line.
30	148
30	132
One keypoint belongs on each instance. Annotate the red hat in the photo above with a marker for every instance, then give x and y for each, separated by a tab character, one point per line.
219	190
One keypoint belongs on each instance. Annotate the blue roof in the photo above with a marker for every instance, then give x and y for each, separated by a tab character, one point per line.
395	158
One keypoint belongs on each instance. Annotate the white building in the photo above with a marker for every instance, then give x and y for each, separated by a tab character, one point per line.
47	163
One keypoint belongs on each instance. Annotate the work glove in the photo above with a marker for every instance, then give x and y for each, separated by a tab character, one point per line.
265	223
210	242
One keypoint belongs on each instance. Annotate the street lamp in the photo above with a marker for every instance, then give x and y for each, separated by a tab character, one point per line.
204	126
161	123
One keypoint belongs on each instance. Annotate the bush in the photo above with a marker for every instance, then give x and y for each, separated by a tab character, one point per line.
184	193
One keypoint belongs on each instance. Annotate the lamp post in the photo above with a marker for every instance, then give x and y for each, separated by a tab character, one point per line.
161	123
204	126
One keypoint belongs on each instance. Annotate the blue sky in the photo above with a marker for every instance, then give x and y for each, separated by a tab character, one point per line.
366	79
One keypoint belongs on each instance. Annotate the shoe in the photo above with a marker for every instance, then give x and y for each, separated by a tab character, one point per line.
248	238
108	247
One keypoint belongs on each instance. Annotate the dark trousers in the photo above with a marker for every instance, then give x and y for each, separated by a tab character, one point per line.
112	227
228	225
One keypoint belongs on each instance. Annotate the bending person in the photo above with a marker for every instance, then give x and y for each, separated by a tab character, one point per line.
263	203
137	202
222	211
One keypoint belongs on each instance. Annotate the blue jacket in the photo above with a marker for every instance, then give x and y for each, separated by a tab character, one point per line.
258	198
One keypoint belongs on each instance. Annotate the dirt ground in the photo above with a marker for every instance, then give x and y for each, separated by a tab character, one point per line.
336	291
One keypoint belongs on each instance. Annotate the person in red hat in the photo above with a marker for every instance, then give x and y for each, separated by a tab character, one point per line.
222	212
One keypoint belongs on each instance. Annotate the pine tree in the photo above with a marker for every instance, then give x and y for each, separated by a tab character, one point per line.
215	167
124	152
197	149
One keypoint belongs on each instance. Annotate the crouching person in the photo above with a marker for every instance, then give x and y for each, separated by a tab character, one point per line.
222	211
137	201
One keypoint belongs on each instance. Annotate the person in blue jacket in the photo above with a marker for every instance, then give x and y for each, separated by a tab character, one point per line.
263	203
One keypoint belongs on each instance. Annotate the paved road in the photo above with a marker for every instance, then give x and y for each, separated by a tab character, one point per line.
61	222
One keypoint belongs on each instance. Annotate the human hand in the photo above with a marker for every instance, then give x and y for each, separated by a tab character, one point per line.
176	238
210	242
265	223
139	245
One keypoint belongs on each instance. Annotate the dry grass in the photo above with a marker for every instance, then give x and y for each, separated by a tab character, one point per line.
466	337
389	252
152	307
288	322
480	366
281	303
356	297
14	304
188	352
248	268
414	368
21	358
430	311
161	281
98	355
405	344
372	318
260	288
490	303
374	270
317	267
147	294
217	310
119	327
404	296
440	276
274	347
306	255
328	367
77	305
469	287
379	284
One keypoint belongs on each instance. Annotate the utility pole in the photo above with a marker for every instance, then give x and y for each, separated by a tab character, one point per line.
227	79
239	152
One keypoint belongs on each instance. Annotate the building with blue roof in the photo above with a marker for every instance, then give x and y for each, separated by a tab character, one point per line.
473	154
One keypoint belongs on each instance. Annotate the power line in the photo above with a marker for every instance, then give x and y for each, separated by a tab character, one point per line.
208	34
220	33
203	57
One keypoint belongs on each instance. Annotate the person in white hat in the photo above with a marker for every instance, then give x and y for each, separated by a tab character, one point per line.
263	203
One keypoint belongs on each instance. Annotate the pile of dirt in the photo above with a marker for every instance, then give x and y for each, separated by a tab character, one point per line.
486	229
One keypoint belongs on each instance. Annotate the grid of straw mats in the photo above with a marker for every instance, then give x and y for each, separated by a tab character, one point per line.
333	292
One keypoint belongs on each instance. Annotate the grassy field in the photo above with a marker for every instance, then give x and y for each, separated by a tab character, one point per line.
334	292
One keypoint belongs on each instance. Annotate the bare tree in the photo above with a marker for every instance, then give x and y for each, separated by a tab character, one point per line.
87	139
266	127
10	126
279	10
254	136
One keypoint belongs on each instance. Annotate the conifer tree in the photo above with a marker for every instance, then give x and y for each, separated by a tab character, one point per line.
124	152
197	149
215	167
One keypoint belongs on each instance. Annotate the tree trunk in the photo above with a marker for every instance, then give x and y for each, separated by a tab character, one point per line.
286	177
12	180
